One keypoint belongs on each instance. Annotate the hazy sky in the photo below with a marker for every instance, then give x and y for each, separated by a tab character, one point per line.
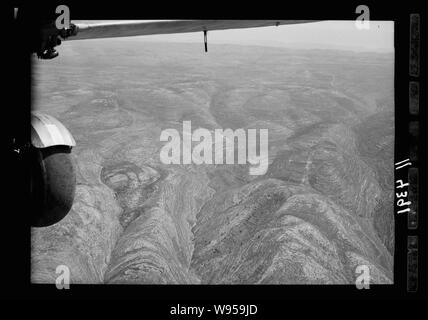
323	35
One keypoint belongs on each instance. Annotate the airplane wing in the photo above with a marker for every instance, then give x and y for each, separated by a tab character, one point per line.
140	28
50	36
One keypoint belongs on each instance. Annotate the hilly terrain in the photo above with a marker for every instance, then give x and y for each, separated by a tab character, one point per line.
323	207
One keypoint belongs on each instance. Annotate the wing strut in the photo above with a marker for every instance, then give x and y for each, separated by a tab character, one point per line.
205	41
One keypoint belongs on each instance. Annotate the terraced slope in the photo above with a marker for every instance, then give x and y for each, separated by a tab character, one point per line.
322	208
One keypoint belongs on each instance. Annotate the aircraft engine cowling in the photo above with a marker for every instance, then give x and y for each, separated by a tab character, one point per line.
53	175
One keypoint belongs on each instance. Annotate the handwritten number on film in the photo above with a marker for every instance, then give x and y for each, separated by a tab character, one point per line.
402	196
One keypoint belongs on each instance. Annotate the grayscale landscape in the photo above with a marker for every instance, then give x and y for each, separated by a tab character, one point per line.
324	207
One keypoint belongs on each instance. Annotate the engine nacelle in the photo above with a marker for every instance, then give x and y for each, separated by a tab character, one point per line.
53	175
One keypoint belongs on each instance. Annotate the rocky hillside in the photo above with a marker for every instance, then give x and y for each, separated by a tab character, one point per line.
323	207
